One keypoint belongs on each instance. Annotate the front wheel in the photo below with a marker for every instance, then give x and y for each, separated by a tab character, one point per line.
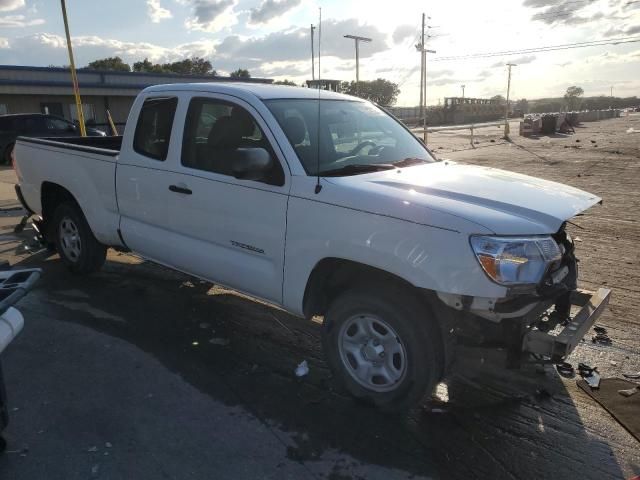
75	242
383	346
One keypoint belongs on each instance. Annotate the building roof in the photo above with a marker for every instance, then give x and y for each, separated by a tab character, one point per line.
262	91
17	79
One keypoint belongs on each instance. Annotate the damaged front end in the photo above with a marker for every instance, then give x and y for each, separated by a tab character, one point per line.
542	322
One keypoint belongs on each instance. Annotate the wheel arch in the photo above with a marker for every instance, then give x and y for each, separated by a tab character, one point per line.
51	196
332	274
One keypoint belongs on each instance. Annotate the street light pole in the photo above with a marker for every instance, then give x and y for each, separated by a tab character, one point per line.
506	108
463	91
357	40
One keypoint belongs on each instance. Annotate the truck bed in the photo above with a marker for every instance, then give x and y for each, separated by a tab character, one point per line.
86	144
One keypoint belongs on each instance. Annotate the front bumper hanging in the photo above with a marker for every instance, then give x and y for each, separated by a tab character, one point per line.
559	345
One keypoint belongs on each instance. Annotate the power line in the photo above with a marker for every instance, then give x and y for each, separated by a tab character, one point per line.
549	48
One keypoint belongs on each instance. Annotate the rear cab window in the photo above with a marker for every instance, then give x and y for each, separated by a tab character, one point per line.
153	130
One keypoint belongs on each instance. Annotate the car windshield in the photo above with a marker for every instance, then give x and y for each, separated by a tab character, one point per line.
352	137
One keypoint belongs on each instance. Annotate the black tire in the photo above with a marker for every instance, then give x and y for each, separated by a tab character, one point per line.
90	254
6	155
416	330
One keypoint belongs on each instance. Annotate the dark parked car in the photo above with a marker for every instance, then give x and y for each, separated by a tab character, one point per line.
35	125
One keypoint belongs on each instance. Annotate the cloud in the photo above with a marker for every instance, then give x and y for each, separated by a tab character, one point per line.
566	12
44	48
439	73
270	9
403	32
19	21
624	30
211	15
518	61
156	12
9	5
293	45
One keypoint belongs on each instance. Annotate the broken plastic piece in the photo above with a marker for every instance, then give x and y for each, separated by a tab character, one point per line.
302	369
630	391
601	338
590	375
565	369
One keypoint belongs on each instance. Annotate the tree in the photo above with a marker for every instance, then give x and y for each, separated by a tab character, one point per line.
191	66
572	97
188	66
285	82
499	99
522	105
112	64
240	73
148	67
380	91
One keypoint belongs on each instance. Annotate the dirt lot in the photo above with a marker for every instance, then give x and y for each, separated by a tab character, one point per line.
139	372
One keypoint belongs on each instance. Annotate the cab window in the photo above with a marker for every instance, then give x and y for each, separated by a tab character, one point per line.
153	131
215	130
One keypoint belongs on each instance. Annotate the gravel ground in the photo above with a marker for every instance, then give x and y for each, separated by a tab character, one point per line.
140	372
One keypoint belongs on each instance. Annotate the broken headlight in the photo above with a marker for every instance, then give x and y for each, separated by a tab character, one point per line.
515	260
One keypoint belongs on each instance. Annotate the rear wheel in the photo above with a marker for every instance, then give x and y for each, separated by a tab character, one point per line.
75	242
383	346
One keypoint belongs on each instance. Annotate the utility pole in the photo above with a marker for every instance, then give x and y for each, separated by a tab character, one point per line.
611	91
358	39
313	62
463	91
420	47
506	108
74	76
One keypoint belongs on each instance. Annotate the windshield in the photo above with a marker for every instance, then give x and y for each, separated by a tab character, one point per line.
354	137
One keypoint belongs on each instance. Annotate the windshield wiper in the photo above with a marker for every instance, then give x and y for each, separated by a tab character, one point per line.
356	168
408	162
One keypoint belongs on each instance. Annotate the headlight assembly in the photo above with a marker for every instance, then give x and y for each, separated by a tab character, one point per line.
515	260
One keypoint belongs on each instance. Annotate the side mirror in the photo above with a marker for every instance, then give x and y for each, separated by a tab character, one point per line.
71	128
251	163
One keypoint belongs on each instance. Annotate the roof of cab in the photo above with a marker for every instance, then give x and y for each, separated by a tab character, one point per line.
260	90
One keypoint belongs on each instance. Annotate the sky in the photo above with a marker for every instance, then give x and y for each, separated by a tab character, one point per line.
271	38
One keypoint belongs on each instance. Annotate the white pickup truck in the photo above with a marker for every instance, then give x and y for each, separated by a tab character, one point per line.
324	205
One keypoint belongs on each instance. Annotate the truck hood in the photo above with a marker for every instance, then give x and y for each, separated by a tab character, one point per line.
503	202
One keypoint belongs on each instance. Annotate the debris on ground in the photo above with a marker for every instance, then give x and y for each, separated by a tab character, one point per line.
565	369
630	391
302	369
633	376
590	375
601	338
600	329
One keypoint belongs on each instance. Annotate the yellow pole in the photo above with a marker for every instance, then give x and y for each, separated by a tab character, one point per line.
74	77
114	130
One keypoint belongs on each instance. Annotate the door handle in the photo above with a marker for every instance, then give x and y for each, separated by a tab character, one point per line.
177	189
